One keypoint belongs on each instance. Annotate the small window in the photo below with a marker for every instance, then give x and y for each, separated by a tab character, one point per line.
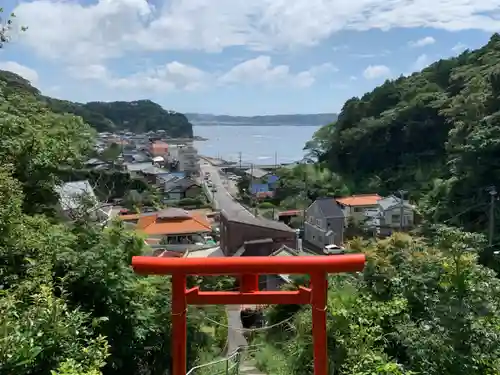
396	218
358	209
318	222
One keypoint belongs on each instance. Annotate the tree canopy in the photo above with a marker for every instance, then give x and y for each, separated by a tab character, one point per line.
137	116
434	133
69	301
419	307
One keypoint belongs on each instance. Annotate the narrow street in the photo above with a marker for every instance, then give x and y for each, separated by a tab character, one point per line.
224	201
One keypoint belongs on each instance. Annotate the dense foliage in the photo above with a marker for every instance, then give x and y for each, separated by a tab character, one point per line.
70	304
434	134
138	116
418	308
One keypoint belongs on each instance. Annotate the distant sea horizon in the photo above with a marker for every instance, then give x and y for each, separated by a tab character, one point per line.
219	123
258	144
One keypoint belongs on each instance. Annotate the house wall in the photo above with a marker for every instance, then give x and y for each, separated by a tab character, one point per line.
175	195
316	226
233	235
274	282
357	212
193	192
391	217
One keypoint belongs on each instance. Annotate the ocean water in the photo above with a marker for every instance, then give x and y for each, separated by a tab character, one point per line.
257	144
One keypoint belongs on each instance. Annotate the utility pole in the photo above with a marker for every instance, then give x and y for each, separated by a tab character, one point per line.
493	194
304	208
401	209
239	155
252	200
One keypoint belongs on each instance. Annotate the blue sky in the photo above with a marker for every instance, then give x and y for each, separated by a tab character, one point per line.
241	57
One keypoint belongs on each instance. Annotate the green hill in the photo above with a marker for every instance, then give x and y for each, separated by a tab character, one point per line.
435	133
137	116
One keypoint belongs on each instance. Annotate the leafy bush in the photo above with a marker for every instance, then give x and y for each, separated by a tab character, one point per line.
265	205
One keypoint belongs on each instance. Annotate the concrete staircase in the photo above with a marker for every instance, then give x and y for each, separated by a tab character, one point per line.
247	367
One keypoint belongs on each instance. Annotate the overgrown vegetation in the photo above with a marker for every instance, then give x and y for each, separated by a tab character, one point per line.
420	307
70	304
423	305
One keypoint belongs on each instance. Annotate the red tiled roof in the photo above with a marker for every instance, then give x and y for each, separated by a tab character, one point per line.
360	200
151	225
291	213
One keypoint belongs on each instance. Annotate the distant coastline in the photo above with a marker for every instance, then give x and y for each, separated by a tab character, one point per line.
246	124
198	138
318	119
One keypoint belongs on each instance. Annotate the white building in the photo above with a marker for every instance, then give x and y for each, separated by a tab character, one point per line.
187	156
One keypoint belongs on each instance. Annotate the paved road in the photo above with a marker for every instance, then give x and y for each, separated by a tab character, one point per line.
224	200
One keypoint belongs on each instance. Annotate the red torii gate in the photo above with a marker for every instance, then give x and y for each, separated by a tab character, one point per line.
249	269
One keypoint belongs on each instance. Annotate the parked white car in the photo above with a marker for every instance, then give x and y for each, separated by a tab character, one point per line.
333	250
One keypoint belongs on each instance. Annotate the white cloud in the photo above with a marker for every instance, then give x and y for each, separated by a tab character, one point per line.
428	40
421	62
94	32
459	47
25	72
178	76
164	78
261	71
376	71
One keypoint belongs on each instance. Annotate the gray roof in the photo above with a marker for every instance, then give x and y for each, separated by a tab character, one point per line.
391	201
136	167
172	213
181	183
94	161
285	251
71	194
244	217
329	207
256	172
153	170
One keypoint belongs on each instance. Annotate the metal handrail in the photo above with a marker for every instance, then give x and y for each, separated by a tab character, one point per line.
234	355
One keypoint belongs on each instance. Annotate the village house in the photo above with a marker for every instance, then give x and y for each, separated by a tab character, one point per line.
389	215
77	199
242	234
275	282
324	223
158	148
356	206
172	227
182	188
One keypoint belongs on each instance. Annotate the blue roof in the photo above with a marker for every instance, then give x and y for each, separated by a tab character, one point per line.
259	188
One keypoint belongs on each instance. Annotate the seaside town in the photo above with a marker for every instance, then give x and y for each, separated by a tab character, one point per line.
143	233
188	205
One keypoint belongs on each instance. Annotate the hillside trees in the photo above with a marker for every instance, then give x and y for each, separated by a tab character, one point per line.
137	116
418	307
433	133
69	300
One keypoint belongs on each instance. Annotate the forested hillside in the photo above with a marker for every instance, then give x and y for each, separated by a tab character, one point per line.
435	133
138	116
70	304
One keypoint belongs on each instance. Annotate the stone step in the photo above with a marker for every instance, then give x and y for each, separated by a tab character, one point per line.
247	367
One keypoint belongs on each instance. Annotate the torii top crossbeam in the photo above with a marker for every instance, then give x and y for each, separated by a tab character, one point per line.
297	265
